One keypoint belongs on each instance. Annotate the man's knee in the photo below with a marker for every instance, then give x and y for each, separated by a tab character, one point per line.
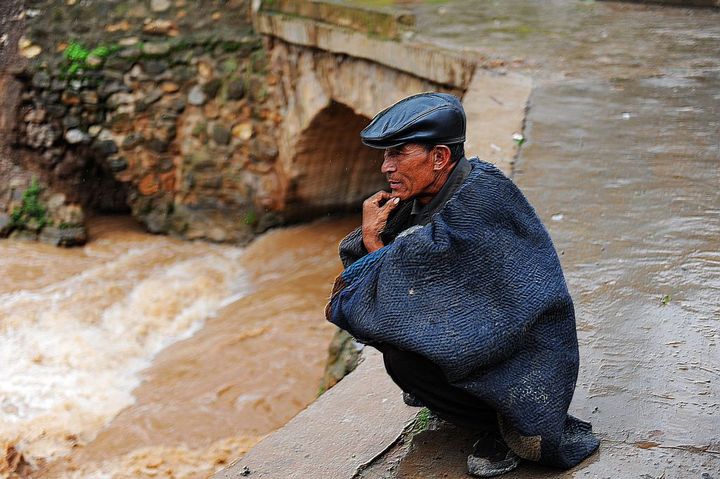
410	370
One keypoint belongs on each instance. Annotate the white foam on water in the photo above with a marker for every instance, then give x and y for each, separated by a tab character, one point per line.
71	353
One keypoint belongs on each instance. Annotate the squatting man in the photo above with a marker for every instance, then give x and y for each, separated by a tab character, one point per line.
453	277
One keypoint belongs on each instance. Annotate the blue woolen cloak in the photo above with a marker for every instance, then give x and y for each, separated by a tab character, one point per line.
480	292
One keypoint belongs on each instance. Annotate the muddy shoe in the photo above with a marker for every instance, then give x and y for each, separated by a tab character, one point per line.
491	457
411	400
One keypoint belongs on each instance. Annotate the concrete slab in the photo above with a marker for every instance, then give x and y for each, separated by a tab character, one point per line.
345	429
495	107
389	23
441	66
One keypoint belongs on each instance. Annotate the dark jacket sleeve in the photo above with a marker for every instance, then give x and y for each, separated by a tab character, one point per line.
352	247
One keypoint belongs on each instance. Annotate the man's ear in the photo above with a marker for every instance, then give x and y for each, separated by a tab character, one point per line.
441	157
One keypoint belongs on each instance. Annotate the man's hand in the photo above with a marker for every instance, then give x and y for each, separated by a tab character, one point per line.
376	210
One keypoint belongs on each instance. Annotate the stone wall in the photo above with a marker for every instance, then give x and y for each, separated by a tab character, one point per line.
179	112
160	107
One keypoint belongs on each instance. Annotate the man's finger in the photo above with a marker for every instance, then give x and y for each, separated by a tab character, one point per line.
379	196
390	205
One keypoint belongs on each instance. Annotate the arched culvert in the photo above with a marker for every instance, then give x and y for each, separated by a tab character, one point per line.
335	172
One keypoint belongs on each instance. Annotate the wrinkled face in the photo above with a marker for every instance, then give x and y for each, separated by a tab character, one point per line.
409	171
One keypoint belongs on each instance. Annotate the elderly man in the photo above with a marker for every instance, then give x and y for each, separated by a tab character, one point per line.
453	277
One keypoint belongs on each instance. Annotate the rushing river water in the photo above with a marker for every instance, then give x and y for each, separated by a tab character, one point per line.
140	355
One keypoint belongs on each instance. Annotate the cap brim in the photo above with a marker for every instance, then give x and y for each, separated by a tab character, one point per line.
383	145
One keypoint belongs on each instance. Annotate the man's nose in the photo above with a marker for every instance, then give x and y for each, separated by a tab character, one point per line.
388	166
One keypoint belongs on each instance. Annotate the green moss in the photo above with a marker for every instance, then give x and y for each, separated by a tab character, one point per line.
121	10
181	44
31	212
78	58
73	69
199	129
57	15
384	22
75	52
251	218
421	420
101	52
229	66
258	61
229	46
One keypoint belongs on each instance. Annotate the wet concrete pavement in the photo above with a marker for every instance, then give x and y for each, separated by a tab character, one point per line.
626	176
622	162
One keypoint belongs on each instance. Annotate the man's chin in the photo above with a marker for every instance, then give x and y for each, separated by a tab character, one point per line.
398	194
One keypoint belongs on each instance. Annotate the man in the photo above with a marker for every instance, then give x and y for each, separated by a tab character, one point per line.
454	279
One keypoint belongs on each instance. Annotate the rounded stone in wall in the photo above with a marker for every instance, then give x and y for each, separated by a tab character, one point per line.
196	96
159	6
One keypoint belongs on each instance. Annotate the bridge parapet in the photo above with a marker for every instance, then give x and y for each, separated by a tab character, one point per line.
384	38
385	24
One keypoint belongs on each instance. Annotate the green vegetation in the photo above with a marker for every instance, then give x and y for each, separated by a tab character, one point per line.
258	61
421	420
31	214
229	46
230	65
80	58
665	299
199	129
251	218
519	139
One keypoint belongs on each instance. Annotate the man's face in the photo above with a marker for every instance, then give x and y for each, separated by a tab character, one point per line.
409	171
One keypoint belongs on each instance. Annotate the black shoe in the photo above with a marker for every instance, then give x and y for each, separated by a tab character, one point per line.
491	457
411	400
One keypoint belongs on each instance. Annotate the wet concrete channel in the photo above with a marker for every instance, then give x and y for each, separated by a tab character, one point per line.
622	162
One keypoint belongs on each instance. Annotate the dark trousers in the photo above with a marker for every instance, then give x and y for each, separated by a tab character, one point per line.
423	379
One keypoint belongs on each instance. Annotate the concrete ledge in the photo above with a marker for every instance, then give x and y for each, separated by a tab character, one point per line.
495	107
373	22
338	435
440	66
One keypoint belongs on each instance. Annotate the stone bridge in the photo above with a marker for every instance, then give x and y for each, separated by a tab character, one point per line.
339	66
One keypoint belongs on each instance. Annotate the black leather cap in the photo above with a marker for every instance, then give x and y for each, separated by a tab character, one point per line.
436	118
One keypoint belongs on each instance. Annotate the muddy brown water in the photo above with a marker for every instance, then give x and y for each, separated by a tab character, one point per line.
139	355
